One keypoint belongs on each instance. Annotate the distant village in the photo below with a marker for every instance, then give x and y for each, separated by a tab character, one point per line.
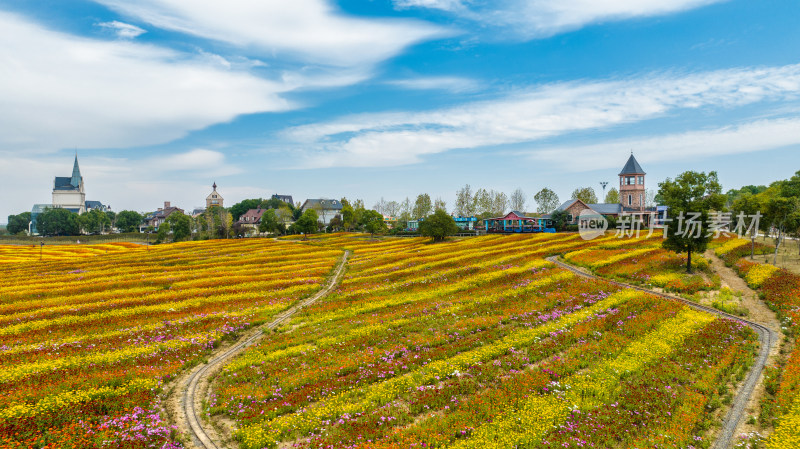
474	212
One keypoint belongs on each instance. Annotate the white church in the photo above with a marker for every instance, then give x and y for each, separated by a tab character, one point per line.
69	194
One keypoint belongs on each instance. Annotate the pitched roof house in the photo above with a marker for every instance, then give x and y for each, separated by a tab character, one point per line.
326	209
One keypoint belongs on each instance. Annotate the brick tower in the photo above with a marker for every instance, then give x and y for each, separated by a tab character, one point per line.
631	186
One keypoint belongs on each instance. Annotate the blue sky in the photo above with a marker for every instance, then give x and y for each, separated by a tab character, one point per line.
390	98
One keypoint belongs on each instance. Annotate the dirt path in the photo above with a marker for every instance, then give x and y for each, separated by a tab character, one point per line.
758	312
768	340
188	392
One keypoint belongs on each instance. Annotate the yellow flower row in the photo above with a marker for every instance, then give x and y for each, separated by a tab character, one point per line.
134	311
787	433
257	436
62	401
759	273
255	356
470	282
538	414
622	256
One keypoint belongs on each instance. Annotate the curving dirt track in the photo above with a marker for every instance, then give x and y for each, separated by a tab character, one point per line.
766	336
193	387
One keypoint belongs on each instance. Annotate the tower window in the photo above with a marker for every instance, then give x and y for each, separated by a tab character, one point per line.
641	200
630	200
641	180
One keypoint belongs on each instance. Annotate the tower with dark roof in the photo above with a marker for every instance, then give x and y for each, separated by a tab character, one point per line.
631	186
214	199
68	192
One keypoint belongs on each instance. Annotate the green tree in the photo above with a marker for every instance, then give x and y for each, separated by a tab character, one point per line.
559	219
18	223
585	194
181	226
348	214
240	208
422	207
465	202
94	221
781	214
546	201
335	224
307	223
690	198
748	204
612	197
438	226
128	220
269	221
162	235
274	203
373	222
58	221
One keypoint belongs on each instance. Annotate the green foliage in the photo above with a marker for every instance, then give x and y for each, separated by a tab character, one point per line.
163	233
274	203
373	222
585	194
94	221
240	208
181	226
18	223
348	214
612	197
734	194
559	219
438	226
58	221
269	222
690	193
546	201
128	220
307	223
423	206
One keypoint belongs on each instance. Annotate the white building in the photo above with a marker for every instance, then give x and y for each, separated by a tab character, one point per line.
68	193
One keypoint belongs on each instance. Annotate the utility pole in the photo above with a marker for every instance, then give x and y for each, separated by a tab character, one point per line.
603	184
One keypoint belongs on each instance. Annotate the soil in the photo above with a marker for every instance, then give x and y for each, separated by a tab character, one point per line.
760	313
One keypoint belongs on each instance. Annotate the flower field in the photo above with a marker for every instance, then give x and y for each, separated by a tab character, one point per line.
781	290
90	334
644	262
482	343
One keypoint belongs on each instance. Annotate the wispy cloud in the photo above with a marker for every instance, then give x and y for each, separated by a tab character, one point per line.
60	90
448	83
312	31
123	30
446	5
531	19
530	115
760	135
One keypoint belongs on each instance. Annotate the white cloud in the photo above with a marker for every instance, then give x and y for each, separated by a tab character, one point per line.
543	18
533	114
123	30
62	91
311	30
449	83
446	5
759	135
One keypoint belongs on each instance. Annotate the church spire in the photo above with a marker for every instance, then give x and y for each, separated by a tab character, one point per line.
76	173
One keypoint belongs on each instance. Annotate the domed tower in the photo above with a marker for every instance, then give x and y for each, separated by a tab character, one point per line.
631	186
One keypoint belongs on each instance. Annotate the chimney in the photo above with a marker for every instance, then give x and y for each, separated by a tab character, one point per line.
166	204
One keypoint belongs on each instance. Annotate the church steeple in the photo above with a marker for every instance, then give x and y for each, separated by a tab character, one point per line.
76	174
